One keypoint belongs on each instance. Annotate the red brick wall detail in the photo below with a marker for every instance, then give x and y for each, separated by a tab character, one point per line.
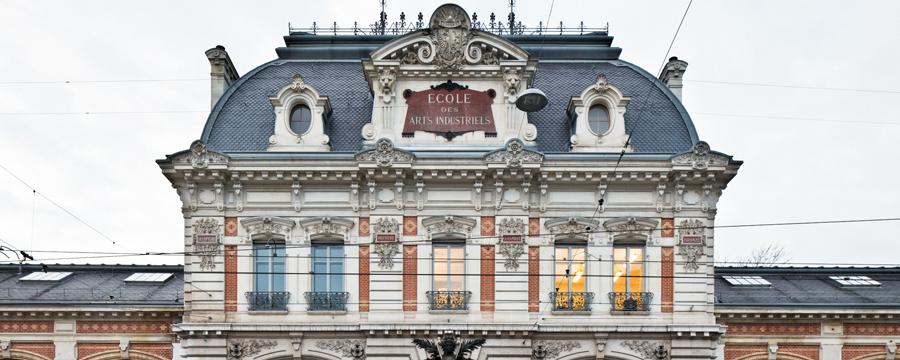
733	352
163	350
122	327
410	226
45	349
231	226
534	226
668	279
410	272
851	352
363	278
668	227
869	329
487	277
26	326
88	349
231	288
801	329
534	279
363	226
487	225
807	351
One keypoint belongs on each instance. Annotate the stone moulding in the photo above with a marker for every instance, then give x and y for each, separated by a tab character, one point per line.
327	227
448	226
628	227
515	155
701	158
554	349
573	226
341	347
385	155
267	227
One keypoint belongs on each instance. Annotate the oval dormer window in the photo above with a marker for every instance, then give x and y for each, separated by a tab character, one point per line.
598	119
301	118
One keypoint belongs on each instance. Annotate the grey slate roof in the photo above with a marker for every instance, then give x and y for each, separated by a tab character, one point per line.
92	285
808	287
243	119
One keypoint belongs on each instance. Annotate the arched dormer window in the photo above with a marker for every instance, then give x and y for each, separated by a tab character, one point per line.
300	116
598	118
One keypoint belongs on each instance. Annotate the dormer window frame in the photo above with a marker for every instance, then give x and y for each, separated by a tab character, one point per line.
284	102
600	93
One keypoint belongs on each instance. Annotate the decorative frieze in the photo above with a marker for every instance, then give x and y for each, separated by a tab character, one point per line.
448	226
648	350
206	242
511	252
327	228
691	243
384	155
573	226
343	348
700	158
240	349
268	227
514	155
552	349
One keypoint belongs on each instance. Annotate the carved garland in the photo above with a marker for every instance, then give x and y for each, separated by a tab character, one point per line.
268	226
384	154
514	155
247	348
647	349
326	227
206	242
549	350
386	250
691	244
451	225
342	347
511	251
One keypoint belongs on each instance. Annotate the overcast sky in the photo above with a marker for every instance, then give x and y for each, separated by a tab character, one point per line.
810	154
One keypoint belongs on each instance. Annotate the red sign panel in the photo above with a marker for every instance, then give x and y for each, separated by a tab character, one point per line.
450	110
381	238
511	239
691	240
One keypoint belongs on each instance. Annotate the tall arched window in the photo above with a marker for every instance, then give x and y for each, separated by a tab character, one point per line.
301	119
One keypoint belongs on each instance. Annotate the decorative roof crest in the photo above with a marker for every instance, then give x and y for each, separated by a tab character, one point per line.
384	154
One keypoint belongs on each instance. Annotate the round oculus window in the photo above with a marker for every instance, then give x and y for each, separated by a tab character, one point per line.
301	119
598	119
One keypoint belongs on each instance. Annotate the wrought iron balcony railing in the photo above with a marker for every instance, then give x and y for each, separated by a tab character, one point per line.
326	301
630	301
448	300
571	301
263	301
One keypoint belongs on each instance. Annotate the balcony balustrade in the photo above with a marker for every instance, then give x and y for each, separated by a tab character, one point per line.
571	301
630	301
326	301
448	300
268	301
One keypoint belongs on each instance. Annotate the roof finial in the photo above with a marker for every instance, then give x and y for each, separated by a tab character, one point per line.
512	16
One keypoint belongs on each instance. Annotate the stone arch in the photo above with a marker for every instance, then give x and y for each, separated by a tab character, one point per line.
117	355
25	355
878	355
580	354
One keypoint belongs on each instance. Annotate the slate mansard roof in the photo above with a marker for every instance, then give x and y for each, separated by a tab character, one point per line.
243	119
91	285
808	287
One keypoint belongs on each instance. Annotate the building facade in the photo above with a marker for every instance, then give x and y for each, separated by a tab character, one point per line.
363	191
89	312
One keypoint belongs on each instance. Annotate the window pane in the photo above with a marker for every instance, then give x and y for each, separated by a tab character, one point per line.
619	277
337	275
261	268
300	119
440	267
598	119
635	277
278	269
320	274
577	269
561	281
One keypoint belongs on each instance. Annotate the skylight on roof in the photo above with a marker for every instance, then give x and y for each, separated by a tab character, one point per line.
855	280
149	277
747	280
46	276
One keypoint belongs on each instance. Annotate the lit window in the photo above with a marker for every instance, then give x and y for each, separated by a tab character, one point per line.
570	268
855	280
149	277
301	118
328	268
449	268
628	268
747	280
598	119
268	263
46	276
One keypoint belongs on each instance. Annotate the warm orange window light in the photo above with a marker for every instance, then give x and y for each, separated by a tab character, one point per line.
570	268
628	268
449	267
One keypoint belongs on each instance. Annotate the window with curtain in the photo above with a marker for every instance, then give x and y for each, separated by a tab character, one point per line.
628	268
449	267
328	268
570	268
268	266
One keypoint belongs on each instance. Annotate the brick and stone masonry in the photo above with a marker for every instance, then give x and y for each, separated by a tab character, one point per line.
487	278
410	274
231	288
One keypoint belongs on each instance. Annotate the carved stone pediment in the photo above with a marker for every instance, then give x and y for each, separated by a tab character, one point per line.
701	157
385	155
515	155
326	227
448	226
199	157
268	226
570	226
630	226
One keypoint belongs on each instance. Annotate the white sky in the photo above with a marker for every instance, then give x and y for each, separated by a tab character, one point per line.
101	167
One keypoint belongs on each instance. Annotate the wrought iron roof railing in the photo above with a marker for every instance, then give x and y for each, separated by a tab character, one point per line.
492	26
